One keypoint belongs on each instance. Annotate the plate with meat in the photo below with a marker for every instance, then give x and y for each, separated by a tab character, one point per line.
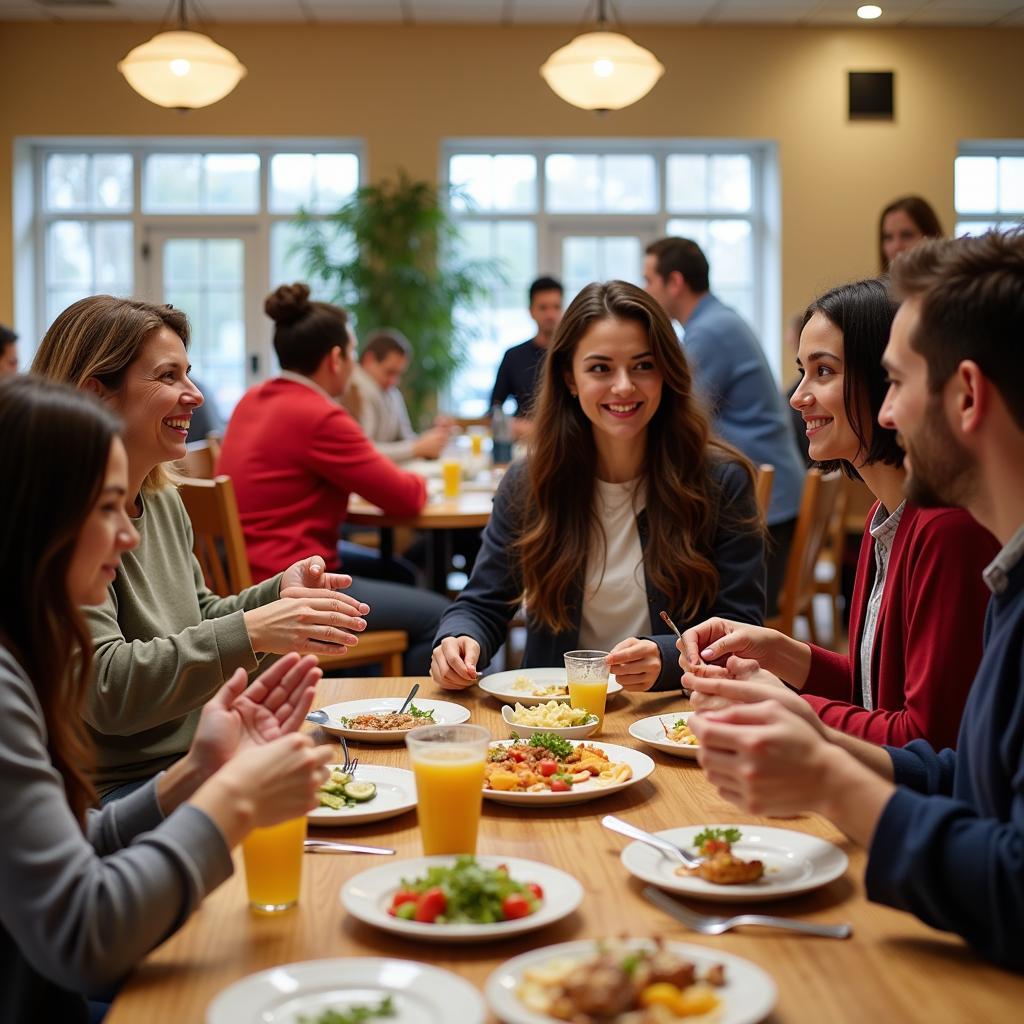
668	733
547	769
743	863
622	981
376	720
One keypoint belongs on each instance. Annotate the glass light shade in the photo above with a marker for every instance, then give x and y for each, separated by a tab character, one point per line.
182	70
602	71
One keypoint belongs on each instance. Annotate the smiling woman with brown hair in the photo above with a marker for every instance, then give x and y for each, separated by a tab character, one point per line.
627	506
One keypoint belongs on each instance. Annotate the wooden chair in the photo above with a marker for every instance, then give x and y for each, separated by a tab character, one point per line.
812	528
763	487
219	546
200	460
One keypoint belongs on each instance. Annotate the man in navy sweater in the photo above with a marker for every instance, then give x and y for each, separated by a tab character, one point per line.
944	830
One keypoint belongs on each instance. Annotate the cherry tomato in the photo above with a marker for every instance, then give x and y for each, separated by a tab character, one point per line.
515	905
517	755
535	889
402	896
547	768
430	905
560	786
713	846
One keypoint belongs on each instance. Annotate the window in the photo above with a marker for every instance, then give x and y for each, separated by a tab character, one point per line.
585	211
988	186
206	225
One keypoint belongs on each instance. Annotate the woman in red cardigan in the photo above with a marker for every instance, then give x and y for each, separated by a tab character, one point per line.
919	599
295	455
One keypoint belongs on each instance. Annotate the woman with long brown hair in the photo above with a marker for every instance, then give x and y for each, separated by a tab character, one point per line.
85	894
903	224
626	507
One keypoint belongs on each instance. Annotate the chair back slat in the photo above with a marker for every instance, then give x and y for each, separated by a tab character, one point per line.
219	543
200	459
763	487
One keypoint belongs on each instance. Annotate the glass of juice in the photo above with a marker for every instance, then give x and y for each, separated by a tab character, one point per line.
451	474
273	865
587	675
448	762
476	441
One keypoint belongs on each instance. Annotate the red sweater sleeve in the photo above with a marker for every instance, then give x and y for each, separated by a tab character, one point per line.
944	608
343	455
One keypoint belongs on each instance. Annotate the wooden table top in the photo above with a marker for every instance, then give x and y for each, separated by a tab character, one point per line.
893	969
470	510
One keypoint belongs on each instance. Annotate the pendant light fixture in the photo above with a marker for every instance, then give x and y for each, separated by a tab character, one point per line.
602	70
182	69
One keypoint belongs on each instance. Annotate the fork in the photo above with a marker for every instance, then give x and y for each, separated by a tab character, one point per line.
676	853
351	763
708	925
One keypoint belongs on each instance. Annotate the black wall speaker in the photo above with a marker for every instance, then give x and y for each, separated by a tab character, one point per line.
871	95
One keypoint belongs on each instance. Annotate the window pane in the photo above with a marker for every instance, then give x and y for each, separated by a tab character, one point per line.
730	180
695	230
291	182
595	258
112	186
1011	184
69	254
58	299
975	183
288	261
182	262
67	181
471	175
630	185
232	182
225	262
171	183
687	183
573	183
515	183
728	245
113	257
337	178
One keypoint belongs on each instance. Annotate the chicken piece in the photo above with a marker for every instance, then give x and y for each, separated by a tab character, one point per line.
715	975
725	868
601	990
667	967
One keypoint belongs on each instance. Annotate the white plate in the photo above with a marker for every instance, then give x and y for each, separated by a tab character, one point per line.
501	684
396	794
641	764
421	994
748	996
368	895
650	731
445	713
794	862
567	732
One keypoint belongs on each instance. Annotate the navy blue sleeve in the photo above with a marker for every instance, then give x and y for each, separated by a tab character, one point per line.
503	382
488	603
920	768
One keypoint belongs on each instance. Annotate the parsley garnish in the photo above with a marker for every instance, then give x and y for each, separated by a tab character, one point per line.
728	835
549	741
354	1014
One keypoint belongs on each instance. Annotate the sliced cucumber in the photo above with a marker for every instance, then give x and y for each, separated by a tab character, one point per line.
360	791
339	778
330	800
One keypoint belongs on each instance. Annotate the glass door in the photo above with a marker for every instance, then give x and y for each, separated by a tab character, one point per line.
598	254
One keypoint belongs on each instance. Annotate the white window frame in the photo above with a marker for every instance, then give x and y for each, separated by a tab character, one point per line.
764	217
32	218
994	148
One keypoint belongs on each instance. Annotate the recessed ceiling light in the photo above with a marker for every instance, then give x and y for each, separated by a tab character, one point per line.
869	12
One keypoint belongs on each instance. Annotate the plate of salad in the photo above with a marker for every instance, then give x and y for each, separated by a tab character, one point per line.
353	990
461	898
374	792
376	720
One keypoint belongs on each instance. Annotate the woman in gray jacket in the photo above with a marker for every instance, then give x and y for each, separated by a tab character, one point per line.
85	894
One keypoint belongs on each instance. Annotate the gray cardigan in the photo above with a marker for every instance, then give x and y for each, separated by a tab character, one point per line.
78	911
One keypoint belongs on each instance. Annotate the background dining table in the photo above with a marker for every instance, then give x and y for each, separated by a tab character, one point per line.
893	969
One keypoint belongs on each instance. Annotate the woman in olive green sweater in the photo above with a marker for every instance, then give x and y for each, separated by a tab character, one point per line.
163	643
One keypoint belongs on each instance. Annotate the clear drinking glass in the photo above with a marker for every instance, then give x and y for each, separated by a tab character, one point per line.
587	675
273	865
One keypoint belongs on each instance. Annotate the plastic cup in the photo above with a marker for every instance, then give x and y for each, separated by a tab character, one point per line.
587	675
273	865
448	762
451	474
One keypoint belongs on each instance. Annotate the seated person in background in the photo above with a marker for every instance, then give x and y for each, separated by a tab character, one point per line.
944	830
86	894
163	643
8	351
520	370
791	345
296	456
626	507
206	418
919	599
903	224
731	373
375	400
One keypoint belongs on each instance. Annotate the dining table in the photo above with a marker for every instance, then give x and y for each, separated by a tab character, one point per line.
892	969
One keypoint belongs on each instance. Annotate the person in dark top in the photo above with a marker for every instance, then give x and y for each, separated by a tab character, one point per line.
8	351
519	372
944	829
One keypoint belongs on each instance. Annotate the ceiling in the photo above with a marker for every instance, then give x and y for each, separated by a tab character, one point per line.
978	13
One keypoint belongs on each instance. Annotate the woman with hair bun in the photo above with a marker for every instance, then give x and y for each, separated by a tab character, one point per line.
296	455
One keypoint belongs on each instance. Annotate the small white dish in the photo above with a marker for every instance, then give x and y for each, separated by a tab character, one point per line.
421	994
640	763
445	713
396	794
652	732
367	896
748	995
794	862
503	685
568	732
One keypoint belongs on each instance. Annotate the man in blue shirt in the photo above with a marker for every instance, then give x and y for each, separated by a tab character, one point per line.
519	371
733	375
944	830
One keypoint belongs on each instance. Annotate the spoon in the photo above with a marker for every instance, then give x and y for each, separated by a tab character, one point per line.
318	717
408	700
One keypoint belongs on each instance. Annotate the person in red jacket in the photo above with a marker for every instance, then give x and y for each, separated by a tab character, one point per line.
919	599
295	455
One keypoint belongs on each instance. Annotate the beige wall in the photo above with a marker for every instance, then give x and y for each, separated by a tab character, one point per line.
405	89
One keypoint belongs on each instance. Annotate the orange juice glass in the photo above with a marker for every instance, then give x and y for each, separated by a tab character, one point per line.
587	675
448	762
476	442
273	865
451	474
